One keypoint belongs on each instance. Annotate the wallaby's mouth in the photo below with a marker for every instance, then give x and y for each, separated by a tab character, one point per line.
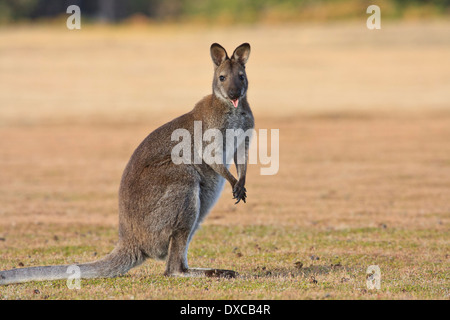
235	102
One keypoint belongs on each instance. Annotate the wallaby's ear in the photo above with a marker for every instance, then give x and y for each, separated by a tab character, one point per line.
218	54
241	53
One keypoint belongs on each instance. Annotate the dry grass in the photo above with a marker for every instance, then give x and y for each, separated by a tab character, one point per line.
364	173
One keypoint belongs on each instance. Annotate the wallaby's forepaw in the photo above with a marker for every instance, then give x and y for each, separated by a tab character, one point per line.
239	192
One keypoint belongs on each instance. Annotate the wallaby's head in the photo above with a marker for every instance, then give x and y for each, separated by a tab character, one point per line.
230	80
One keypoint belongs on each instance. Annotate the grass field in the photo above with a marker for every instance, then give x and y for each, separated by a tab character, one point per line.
364	174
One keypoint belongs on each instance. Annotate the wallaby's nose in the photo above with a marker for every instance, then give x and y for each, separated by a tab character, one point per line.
234	94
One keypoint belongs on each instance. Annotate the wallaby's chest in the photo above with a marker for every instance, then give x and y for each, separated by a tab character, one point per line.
235	128
238	120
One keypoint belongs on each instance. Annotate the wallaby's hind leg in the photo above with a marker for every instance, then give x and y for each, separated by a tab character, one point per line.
177	260
177	264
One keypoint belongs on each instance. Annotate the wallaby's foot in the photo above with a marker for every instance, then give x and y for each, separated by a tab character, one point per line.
206	272
213	273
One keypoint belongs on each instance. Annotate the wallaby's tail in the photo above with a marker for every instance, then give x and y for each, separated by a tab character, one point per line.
117	263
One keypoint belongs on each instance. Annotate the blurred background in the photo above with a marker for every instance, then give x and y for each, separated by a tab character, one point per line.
364	115
135	58
233	11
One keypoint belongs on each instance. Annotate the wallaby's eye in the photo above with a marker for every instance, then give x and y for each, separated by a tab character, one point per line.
222	78
241	77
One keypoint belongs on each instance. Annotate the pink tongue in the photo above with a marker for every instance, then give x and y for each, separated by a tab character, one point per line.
235	102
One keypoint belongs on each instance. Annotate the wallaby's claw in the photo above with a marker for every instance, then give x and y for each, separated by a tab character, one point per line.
239	193
243	199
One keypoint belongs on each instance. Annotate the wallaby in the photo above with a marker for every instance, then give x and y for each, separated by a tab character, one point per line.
161	204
